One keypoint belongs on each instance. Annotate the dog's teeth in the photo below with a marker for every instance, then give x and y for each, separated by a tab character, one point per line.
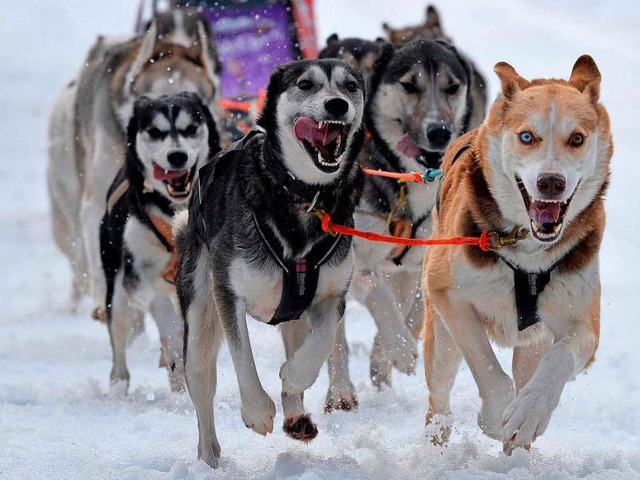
338	143
320	124
536	228
557	228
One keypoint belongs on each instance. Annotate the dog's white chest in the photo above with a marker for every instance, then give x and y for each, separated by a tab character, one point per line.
492	293
261	288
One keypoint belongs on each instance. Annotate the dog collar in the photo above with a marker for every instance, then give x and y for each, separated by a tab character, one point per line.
299	275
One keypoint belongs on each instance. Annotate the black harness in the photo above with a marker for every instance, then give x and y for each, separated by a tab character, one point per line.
527	285
299	275
125	199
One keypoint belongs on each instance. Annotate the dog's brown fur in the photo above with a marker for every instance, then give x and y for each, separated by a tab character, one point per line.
468	206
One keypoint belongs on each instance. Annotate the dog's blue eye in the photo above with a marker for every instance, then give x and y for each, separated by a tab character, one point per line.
190	131
526	138
156	133
351	87
305	85
409	87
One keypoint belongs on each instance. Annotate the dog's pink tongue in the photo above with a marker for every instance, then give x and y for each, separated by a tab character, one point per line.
406	146
307	129
544	212
160	173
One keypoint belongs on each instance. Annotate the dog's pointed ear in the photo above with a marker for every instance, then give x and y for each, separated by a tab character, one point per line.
210	63
270	103
386	53
145	52
433	18
388	30
510	80
585	76
332	39
142	103
212	127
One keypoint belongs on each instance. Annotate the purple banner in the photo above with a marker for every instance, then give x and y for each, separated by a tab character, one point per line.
251	41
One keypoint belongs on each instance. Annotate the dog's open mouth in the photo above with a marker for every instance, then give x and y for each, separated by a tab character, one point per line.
426	158
325	141
546	216
178	182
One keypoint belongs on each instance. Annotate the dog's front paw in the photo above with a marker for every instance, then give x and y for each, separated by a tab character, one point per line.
402	352
210	454
438	428
380	366
300	428
258	413
341	399
493	407
528	415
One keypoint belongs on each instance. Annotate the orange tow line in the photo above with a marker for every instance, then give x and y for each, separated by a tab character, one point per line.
429	176
488	241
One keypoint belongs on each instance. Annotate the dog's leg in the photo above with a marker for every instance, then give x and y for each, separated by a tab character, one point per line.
416	314
380	366
494	385
300	371
395	338
528	416
171	338
137	324
91	215
342	393
526	359
441	362
119	324
297	423
258	409
202	343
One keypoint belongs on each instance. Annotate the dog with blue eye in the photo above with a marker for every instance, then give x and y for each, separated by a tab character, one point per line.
536	172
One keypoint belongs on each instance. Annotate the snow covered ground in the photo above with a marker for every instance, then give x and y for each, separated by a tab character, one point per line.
57	420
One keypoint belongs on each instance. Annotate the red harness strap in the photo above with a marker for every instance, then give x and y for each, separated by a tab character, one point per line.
487	241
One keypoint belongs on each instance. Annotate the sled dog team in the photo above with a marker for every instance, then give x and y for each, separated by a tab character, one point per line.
155	216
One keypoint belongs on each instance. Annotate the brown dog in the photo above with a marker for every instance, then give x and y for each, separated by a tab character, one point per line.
541	161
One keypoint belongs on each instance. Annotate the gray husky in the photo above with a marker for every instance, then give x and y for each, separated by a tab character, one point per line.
249	246
87	136
168	139
419	101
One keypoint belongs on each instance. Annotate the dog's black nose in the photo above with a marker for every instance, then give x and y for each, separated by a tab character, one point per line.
177	159
336	106
438	135
551	185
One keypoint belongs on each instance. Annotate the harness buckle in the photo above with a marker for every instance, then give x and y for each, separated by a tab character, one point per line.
498	241
431	175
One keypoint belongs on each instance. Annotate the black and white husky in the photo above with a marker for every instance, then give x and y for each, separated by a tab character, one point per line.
247	245
168	140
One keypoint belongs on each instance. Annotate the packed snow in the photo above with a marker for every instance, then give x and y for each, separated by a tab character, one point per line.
57	419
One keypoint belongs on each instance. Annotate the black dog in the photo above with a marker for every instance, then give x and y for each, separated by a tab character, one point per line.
248	245
168	139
